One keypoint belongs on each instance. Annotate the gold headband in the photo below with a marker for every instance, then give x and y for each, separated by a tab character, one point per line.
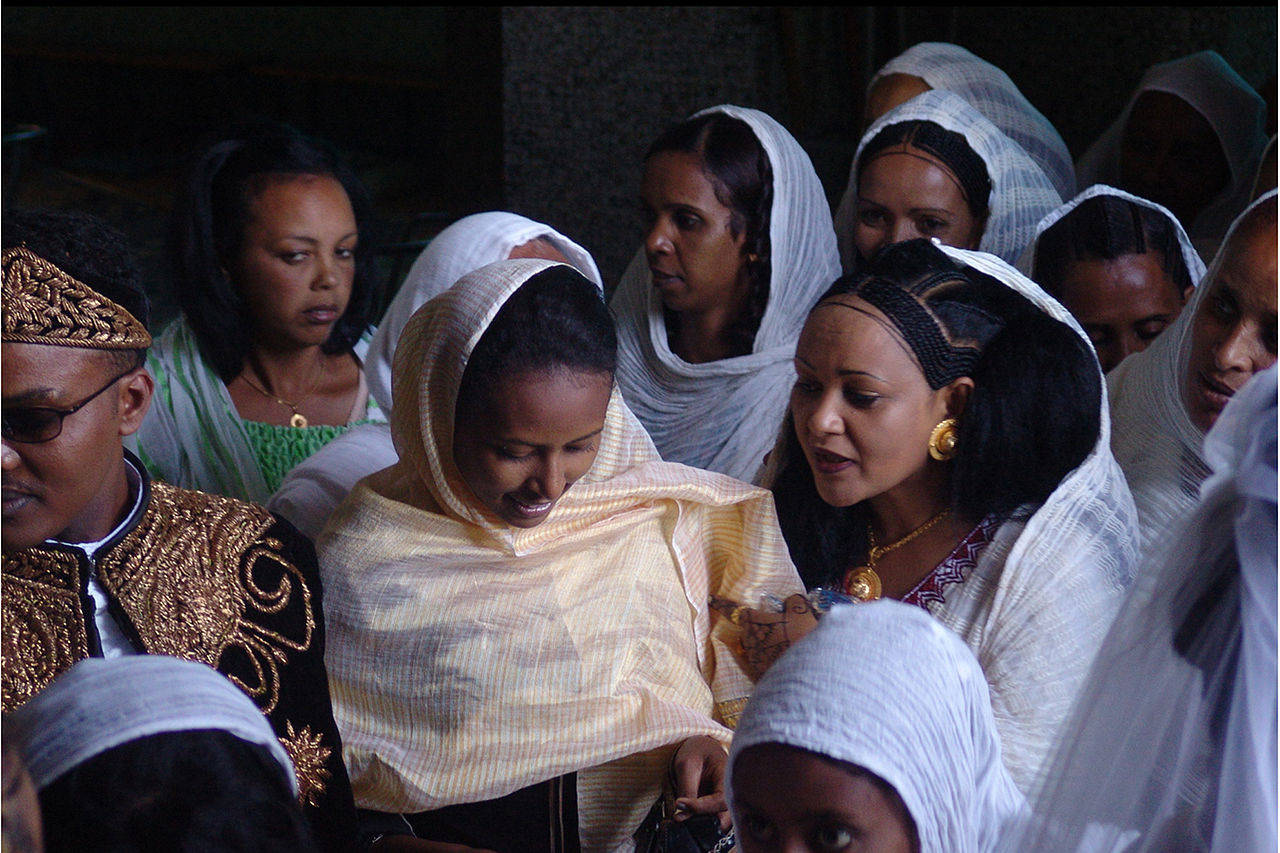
44	305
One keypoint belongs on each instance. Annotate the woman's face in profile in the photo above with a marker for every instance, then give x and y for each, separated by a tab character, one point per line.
790	799
521	445
1233	335
905	193
861	407
296	266
695	259
1170	154
1122	304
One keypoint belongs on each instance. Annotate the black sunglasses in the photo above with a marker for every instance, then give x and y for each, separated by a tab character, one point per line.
38	424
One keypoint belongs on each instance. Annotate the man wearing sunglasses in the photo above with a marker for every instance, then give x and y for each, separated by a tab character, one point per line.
97	560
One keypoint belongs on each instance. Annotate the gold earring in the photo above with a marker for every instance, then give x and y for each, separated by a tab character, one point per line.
752	257
944	440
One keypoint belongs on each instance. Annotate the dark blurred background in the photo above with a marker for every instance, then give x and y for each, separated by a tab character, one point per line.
547	111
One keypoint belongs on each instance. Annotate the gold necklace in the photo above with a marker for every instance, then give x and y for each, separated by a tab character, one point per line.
862	582
297	420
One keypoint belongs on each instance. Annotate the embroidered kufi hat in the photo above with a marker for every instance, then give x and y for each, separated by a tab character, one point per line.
42	304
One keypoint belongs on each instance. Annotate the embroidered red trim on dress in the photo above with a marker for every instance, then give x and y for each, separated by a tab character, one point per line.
955	568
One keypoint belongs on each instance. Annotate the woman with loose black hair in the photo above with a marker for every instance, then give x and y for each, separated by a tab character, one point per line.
271	248
1122	265
738	244
934	167
947	445
517	610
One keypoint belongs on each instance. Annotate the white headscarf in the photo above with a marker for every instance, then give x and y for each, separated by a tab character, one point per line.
466	245
1153	437
1021	192
885	687
102	703
1172	744
996	96
311	491
723	415
1190	257
1231	106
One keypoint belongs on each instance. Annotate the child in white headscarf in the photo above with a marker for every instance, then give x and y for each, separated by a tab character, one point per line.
143	752
876	724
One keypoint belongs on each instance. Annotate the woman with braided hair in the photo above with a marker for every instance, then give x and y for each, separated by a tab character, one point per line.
935	167
947	446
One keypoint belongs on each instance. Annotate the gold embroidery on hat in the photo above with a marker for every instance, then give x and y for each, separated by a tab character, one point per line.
44	305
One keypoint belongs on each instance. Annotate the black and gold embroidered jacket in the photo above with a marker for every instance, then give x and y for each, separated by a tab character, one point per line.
201	577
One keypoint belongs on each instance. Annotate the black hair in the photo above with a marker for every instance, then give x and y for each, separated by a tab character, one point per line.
738	167
1033	415
950	147
207	227
555	320
89	250
203	791
1103	228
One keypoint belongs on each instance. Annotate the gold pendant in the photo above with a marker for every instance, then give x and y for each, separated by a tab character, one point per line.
863	584
298	421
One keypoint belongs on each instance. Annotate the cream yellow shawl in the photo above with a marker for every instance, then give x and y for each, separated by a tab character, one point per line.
469	659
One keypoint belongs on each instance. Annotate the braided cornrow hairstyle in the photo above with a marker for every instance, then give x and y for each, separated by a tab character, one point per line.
1103	228
1033	415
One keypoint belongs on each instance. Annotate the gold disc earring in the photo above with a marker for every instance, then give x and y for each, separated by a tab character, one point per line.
944	440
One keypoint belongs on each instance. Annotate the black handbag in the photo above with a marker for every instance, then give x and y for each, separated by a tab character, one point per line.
696	834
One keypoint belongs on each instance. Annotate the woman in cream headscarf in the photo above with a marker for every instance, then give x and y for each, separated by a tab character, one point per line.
521	602
720	410
1205	172
1166	397
1006	202
939	65
880	717
311	491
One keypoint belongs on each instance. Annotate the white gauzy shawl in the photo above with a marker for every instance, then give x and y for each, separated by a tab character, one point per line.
1021	192
1235	111
1153	437
102	703
313	489
996	96
882	686
1172	744
723	415
1195	264
1043	594
468	659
